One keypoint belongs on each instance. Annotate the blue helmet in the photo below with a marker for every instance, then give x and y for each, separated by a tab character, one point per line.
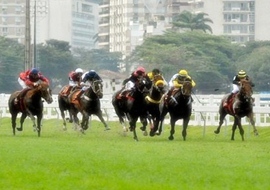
34	71
92	74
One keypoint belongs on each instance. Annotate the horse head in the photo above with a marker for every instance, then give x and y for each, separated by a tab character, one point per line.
45	91
186	89
245	92
97	88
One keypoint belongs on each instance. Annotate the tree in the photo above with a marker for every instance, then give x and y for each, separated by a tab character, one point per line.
55	61
209	59
11	64
97	59
188	20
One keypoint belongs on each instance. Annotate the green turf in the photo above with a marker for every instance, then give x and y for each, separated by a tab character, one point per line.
108	160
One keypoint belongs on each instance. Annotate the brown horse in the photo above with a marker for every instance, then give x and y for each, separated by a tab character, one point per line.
179	108
88	104
64	105
239	106
30	105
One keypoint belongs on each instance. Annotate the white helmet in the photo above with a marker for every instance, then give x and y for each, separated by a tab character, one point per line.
78	70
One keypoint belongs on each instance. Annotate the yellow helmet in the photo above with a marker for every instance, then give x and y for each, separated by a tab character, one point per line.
183	73
242	74
160	83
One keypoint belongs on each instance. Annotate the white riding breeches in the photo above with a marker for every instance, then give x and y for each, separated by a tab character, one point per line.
235	88
22	83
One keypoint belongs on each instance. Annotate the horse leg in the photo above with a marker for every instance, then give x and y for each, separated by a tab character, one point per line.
144	123
99	114
241	130
132	124
70	117
64	120
13	122
39	117
221	120
235	123
185	125
251	119
32	117
24	115
172	131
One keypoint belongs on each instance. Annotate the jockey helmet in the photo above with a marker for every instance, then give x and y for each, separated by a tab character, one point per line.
33	74
242	74
183	73
156	71
92	74
78	70
140	71
34	71
159	83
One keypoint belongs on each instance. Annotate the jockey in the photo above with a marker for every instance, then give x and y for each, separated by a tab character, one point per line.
87	79
236	82
29	79
178	80
129	83
155	74
75	78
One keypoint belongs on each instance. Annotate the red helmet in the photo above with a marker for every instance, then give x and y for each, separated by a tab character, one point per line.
140	71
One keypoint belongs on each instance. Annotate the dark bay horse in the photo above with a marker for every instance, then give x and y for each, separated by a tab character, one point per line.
64	105
30	105
152	99
241	105
180	108
131	107
88	104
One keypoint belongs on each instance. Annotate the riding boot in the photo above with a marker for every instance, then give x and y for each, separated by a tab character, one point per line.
168	95
225	104
20	95
78	96
68	90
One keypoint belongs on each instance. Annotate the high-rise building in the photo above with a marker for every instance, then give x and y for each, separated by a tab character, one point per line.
124	24
12	19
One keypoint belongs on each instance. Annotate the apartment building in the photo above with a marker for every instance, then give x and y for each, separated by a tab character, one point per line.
74	21
124	24
12	19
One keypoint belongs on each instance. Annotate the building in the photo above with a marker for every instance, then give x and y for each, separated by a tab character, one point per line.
12	22
74	21
124	24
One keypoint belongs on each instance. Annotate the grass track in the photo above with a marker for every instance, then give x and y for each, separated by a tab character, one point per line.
108	160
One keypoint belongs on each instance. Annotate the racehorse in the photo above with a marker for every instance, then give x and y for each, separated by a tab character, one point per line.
179	107
131	107
88	104
153	99
30	105
241	105
64	105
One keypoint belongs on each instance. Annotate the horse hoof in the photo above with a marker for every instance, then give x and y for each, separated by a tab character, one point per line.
171	138
216	132
107	129
142	128
19	129
145	133
152	134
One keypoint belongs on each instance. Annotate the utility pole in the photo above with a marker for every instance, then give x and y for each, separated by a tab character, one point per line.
27	51
35	34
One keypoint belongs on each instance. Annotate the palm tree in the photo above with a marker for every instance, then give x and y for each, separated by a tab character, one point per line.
188	20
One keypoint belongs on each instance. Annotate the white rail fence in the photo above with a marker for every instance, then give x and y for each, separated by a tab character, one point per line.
204	112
